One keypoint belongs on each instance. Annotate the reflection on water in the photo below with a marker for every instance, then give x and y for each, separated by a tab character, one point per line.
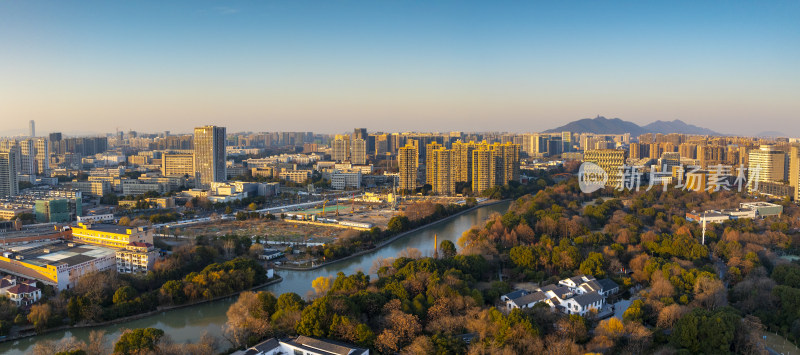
188	324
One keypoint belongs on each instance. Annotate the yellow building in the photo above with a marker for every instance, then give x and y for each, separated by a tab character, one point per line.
408	162
430	168
794	171
610	160
507	162
59	264
462	160
111	235
442	171
483	169
177	164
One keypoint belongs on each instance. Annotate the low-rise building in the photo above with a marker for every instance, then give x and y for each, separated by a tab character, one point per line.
302	345
575	295
342	180
110	235
136	258
60	264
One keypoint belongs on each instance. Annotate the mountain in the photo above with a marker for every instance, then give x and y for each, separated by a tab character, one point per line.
770	134
602	125
678	126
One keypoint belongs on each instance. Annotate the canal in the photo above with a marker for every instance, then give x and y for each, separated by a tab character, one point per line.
188	324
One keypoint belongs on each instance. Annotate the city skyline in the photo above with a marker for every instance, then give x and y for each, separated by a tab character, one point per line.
302	66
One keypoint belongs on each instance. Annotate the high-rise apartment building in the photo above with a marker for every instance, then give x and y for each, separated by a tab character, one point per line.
358	151
27	151
765	165
635	151
507	162
209	155
430	174
408	161
610	160
462	160
484	169
341	148
42	147
8	173
442	171
794	171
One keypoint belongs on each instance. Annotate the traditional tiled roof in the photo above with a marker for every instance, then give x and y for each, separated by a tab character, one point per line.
22	288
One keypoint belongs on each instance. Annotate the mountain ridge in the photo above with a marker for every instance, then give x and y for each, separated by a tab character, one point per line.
601	125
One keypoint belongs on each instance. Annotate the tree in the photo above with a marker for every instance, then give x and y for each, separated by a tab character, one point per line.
398	224
139	341
594	265
40	315
249	317
124	221
321	284
634	312
124	294
447	249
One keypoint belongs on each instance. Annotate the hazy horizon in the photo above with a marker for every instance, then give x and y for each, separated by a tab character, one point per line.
148	66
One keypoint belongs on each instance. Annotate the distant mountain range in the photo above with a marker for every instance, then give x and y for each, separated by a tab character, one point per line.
602	125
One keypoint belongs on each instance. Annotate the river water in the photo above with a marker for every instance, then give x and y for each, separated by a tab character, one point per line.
188	324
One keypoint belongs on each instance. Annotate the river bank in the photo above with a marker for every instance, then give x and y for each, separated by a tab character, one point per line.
391	239
31	333
188	324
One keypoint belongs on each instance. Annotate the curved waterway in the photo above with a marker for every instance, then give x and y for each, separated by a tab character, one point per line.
188	324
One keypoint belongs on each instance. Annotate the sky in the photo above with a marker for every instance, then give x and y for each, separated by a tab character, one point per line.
331	65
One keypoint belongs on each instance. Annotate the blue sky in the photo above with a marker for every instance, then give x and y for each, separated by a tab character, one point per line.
328	66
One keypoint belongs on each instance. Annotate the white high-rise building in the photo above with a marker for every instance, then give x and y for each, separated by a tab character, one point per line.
765	165
27	151
341	148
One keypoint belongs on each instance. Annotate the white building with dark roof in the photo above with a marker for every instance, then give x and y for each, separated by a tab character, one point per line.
302	345
575	295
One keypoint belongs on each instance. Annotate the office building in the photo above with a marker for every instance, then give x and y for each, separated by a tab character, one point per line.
408	162
610	160
209	155
33	129
765	165
52	210
177	165
358	151
341	180
9	185
109	235
340	148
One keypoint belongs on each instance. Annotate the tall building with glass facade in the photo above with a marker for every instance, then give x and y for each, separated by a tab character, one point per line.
209	155
765	165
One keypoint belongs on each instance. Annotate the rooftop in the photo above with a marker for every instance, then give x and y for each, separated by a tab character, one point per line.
60	253
108	228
